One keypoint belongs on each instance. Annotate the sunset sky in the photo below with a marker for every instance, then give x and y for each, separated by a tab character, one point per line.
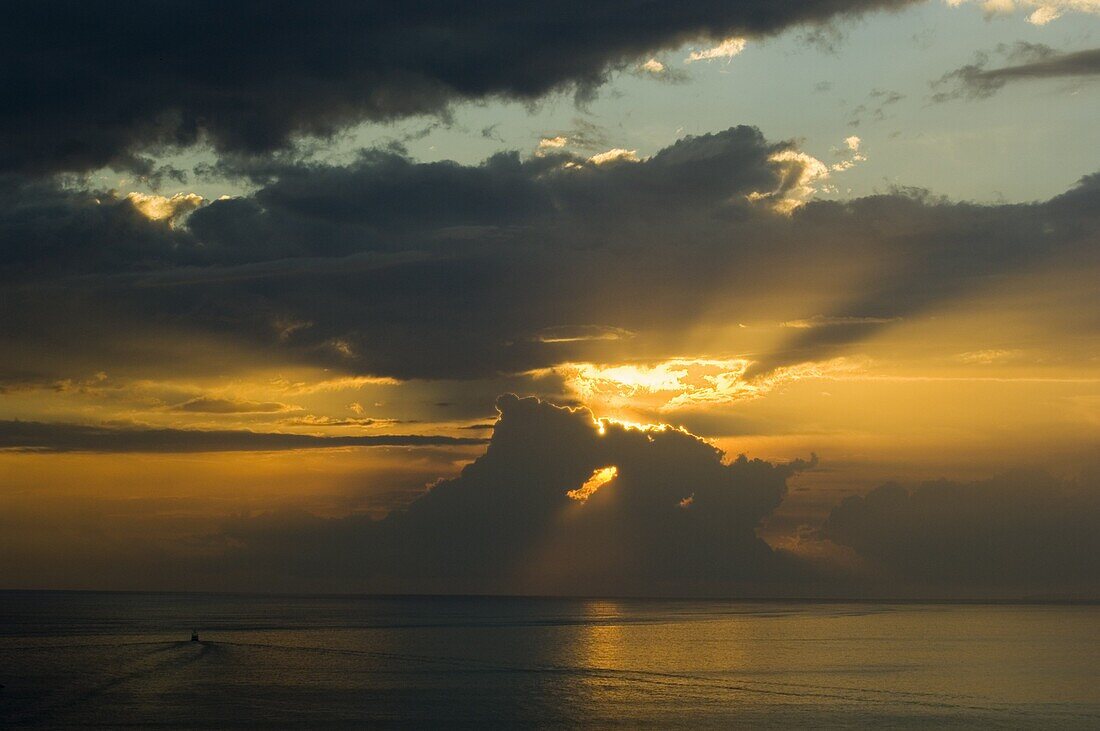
273	272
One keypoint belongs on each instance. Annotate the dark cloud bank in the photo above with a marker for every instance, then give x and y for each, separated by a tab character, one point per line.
85	86
678	519
392	267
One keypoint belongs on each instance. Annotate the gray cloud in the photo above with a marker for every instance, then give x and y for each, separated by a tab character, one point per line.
61	437
977	80
453	267
932	251
876	106
84	88
675	519
387	266
1029	531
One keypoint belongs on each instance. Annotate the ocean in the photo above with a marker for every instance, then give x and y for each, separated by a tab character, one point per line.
120	659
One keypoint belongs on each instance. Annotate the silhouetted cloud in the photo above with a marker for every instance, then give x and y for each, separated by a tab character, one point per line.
83	87
1027	531
61	437
675	518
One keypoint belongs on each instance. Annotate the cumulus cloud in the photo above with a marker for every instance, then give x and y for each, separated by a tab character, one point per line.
559	502
799	172
564	502
83	89
161	208
1029	532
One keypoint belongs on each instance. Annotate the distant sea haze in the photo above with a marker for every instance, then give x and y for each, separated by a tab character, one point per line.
94	659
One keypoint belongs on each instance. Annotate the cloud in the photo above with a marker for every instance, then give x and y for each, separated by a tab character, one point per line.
824	321
1028	531
210	405
83	89
434	250
681	384
553	143
943	250
727	49
390	268
315	420
1040	12
799	172
32	436
579	333
615	155
160	208
677	382
977	81
875	108
559	503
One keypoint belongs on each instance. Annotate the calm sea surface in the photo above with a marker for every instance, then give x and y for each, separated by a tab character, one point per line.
85	659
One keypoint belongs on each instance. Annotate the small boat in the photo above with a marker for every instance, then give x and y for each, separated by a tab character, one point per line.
194	636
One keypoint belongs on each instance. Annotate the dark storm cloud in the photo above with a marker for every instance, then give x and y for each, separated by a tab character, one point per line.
85	86
392	267
1029	530
60	437
47	230
976	80
455	270
676	518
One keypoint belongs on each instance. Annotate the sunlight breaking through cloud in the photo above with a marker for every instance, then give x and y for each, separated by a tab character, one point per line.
598	479
727	49
682	383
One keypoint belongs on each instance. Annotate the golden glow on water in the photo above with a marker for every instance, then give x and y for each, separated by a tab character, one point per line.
601	643
507	662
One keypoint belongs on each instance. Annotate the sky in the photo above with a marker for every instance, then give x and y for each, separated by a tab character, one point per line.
607	298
